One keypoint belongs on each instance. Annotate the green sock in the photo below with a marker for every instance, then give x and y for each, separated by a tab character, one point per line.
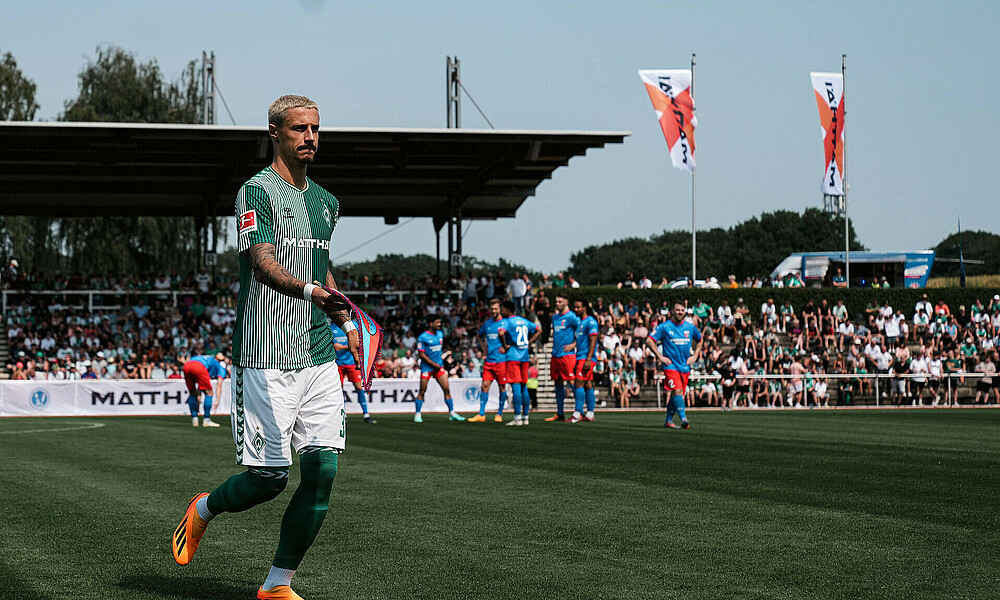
247	489
306	511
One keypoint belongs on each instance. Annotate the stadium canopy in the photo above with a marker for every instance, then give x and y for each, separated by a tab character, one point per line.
96	169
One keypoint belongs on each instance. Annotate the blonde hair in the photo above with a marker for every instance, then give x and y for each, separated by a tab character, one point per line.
276	112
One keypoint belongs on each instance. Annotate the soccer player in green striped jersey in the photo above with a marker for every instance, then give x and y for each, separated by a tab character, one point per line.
286	384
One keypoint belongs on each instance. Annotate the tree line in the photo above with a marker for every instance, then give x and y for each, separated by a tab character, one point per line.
114	86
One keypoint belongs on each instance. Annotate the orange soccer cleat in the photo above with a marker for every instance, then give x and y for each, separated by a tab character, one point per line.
278	592
477	419
188	533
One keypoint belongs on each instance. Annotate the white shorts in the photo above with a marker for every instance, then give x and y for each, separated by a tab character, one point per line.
274	409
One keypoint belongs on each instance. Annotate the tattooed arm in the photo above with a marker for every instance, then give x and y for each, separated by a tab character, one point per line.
268	271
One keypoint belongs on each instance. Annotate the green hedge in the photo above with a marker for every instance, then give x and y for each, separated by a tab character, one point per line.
855	299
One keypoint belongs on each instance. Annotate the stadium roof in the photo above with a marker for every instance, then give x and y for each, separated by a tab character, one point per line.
91	169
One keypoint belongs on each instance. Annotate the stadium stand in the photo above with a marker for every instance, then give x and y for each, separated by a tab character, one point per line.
123	327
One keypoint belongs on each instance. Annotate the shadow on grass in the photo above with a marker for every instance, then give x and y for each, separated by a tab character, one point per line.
186	586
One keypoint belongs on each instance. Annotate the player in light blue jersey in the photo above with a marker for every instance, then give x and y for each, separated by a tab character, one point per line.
347	368
198	375
677	344
492	339
583	374
432	366
563	366
521	333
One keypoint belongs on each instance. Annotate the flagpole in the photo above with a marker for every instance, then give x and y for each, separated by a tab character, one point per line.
843	129
694	235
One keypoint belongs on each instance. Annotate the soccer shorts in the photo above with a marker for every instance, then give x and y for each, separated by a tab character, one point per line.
196	377
584	370
352	374
562	367
517	371
434	374
277	408
496	371
675	381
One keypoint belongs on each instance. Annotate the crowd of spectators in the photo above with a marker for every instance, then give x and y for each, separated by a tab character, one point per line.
150	336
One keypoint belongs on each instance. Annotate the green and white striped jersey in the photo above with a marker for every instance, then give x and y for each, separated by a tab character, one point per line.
275	331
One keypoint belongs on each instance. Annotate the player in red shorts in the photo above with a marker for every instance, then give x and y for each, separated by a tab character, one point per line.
429	346
347	368
492	336
198	375
583	374
564	325
521	333
677	344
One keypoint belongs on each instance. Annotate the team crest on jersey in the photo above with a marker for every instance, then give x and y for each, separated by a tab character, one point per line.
687	334
248	222
326	215
288	213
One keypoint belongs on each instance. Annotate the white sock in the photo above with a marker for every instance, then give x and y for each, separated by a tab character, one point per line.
366	415
202	507
590	414
278	577
576	415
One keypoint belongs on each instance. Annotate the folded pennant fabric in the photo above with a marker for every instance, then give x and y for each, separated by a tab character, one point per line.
371	339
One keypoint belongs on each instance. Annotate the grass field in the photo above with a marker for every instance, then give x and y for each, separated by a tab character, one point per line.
835	504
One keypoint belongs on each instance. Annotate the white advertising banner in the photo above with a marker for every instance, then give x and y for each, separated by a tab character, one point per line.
91	398
398	395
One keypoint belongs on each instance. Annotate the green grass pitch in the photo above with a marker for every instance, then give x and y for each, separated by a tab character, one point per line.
833	504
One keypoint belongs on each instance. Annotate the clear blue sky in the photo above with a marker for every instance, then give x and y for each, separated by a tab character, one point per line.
921	100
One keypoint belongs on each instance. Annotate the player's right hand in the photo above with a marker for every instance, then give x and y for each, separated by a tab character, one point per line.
665	360
326	301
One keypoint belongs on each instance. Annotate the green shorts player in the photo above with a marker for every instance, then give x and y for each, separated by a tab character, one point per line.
286	385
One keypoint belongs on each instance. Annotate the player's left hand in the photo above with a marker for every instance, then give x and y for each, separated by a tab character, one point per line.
354	343
691	360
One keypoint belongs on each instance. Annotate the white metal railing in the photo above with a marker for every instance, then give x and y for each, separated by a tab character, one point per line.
945	378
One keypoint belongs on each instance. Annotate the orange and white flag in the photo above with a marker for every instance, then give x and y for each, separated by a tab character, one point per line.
670	92
829	90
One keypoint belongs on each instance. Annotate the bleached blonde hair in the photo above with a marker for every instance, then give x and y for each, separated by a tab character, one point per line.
276	112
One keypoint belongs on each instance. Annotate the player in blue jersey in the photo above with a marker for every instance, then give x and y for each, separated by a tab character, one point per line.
521	333
492	338
583	374
563	365
347	368
432	367
198	375
677	344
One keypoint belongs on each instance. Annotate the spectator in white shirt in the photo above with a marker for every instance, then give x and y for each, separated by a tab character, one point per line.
925	305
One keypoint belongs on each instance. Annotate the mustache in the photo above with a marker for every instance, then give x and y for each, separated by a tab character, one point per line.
307	147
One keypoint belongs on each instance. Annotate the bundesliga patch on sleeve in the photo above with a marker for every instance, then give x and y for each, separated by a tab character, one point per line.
248	222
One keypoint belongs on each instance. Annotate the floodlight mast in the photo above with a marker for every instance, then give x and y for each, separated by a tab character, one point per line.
208	88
